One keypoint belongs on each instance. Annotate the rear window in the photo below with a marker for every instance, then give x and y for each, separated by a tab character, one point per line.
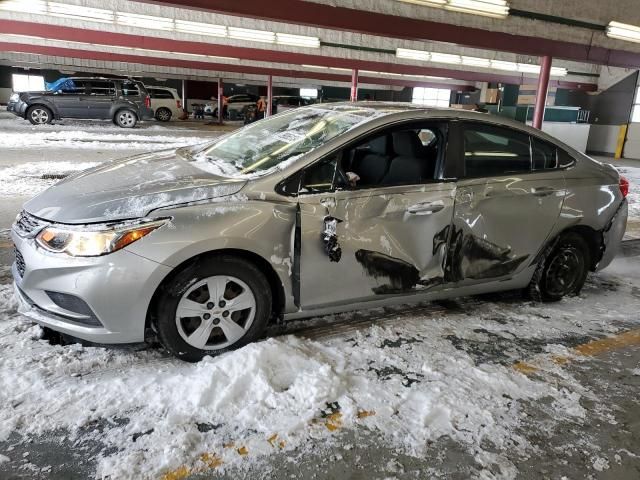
130	90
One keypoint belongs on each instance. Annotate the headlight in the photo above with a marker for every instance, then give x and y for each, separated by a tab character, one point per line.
14	97
94	240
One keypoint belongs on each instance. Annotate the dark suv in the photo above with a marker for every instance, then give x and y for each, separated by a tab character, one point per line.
122	100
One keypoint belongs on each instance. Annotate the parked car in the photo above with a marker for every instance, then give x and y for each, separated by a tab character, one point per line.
165	102
123	101
324	209
287	102
235	106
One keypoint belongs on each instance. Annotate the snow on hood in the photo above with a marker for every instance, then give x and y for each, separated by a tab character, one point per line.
129	188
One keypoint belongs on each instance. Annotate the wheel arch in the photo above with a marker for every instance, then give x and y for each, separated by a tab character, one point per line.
592	236
277	289
40	103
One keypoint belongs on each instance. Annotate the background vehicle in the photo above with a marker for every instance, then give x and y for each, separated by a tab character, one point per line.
165	102
287	102
235	106
123	101
323	209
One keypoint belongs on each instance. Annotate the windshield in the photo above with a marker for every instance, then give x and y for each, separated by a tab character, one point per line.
274	143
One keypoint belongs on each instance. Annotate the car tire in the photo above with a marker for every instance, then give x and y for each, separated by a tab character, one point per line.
163	114
562	269
125	118
191	324
39	115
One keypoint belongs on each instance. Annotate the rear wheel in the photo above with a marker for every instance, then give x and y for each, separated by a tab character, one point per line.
562	271
163	114
39	115
126	118
213	306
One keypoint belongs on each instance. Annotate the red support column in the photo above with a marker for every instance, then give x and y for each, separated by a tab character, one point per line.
543	90
354	85
220	101
269	96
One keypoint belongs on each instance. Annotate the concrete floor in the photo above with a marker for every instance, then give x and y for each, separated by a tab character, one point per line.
573	450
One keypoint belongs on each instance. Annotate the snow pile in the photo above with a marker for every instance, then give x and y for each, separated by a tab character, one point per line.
94	140
33	177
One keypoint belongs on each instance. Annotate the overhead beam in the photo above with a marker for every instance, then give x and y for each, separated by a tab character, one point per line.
216	67
98	37
373	23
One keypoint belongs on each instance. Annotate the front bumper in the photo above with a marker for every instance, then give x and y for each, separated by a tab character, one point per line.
613	234
17	108
117	288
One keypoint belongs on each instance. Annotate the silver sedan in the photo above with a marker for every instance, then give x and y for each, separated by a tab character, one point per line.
314	211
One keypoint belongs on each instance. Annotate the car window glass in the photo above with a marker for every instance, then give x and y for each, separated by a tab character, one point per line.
79	87
564	159
395	157
163	94
102	88
495	151
130	90
321	177
544	155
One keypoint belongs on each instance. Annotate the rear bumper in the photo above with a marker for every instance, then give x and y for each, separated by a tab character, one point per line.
146	113
612	235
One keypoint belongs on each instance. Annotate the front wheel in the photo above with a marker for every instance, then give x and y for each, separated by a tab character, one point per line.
126	118
562	270
39	115
212	306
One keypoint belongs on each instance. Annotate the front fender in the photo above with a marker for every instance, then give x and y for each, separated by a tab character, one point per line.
258	227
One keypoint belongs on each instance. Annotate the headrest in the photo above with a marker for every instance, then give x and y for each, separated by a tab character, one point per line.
406	143
378	145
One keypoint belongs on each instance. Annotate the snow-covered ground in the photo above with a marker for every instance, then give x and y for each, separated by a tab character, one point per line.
410	375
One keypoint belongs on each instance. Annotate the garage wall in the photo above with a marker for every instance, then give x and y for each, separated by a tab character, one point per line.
609	110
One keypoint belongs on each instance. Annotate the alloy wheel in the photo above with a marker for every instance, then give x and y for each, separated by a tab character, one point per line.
215	312
39	115
126	119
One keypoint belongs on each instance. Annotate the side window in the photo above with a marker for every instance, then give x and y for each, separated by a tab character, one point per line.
494	151
79	88
130	90
402	156
103	88
153	93
544	155
564	159
163	94
322	176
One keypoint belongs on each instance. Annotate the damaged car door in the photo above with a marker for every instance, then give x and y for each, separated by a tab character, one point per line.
374	218
509	198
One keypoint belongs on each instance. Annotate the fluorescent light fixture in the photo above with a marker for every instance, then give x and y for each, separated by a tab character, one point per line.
66	10
199	28
22	6
252	35
413	54
427	3
476	62
623	31
297	40
501	65
144	21
446	58
528	68
559	72
486	8
337	69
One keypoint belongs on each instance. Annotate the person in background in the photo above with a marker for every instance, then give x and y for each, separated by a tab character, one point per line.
261	106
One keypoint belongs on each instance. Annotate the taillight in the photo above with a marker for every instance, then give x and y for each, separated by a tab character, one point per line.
624	186
147	101
179	104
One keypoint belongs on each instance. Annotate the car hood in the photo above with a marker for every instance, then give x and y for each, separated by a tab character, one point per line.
129	188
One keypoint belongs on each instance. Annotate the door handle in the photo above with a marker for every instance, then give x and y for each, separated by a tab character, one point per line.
542	191
426	207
